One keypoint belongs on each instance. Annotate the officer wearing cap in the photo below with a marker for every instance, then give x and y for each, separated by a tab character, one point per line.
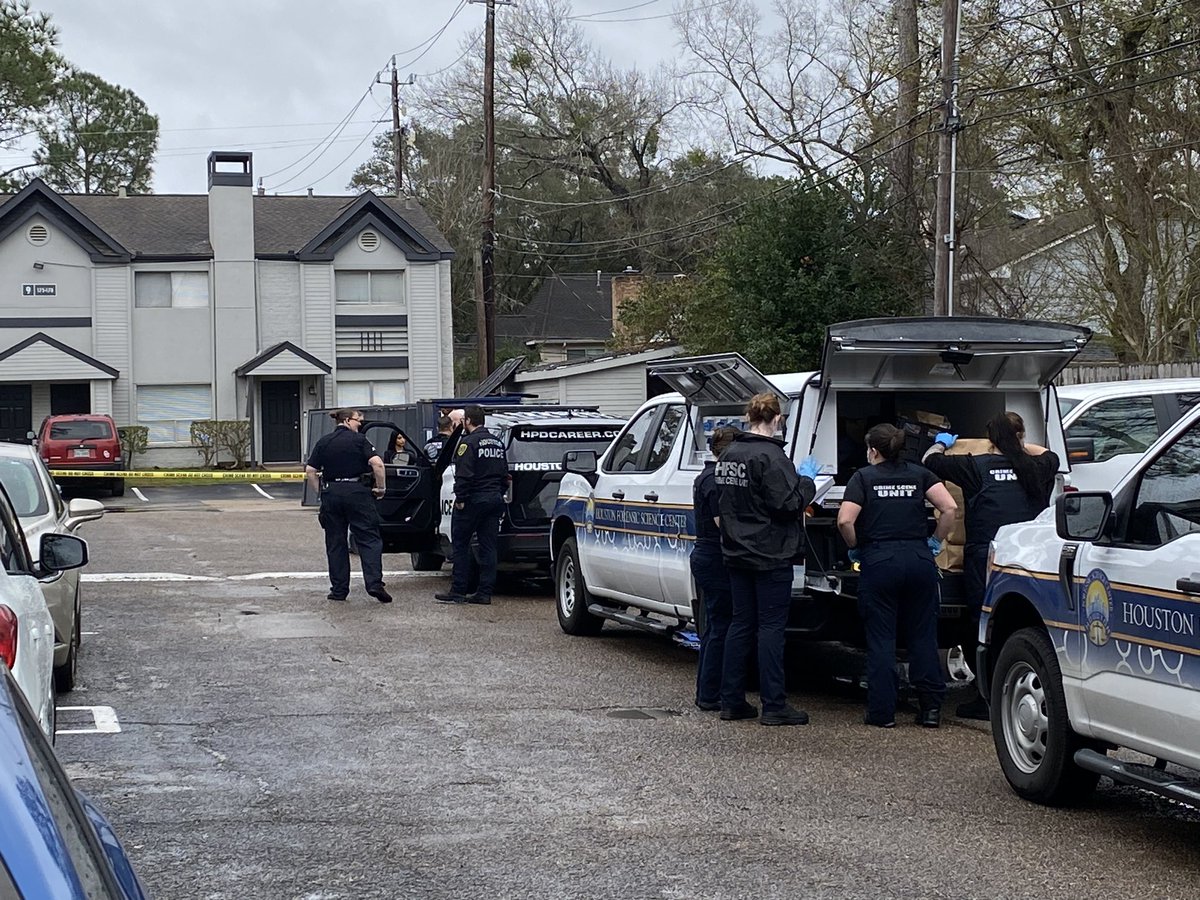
480	481
350	477
885	524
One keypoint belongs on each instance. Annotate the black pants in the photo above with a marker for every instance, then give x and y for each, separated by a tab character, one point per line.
712	578
478	518
897	592
974	583
761	602
348	505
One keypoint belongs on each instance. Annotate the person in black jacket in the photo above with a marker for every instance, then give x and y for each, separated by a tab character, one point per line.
1002	488
712	578
762	501
480	481
885	524
341	467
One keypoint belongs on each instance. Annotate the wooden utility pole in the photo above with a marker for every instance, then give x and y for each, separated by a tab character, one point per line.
488	265
945	239
480	320
397	131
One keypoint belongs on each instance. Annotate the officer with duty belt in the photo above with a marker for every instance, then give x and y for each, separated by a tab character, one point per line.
349	474
885	524
480	481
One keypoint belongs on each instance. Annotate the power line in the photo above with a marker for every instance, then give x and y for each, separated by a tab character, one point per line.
669	15
1099	160
341	162
471	46
433	39
609	12
415	47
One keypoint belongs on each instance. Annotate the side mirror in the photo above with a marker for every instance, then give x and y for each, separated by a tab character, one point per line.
60	552
1080	516
581	462
82	510
1081	449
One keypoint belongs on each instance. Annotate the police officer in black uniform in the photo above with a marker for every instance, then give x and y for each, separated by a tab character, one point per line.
885	524
480	481
1002	488
435	445
711	576
762	500
349	475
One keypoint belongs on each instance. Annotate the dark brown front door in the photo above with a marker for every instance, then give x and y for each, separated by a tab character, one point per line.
16	412
280	421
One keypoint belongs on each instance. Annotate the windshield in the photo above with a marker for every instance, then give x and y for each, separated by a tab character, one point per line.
20	480
538	450
80	430
1066	404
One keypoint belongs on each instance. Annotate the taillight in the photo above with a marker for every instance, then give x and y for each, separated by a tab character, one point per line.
8	636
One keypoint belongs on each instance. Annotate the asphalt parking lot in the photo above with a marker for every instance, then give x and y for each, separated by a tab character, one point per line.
250	739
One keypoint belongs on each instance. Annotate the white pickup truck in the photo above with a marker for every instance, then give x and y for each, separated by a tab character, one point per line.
623	526
1091	633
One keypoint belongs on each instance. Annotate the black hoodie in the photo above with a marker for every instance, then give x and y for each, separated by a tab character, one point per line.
762	503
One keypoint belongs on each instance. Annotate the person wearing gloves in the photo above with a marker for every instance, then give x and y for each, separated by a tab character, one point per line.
1010	485
761	499
883	521
712	578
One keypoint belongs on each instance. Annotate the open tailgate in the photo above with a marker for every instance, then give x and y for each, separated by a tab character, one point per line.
715	380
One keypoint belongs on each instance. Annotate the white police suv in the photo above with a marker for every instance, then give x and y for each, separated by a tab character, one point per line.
623	526
1091	633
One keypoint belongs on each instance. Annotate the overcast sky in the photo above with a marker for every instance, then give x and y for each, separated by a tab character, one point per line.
274	77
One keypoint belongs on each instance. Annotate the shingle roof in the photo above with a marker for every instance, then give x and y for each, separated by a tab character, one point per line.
177	224
566	307
991	248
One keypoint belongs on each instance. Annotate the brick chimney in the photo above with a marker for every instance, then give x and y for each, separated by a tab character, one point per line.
625	287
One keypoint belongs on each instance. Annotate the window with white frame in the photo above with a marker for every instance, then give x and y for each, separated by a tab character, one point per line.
168	411
170	290
376	288
371	393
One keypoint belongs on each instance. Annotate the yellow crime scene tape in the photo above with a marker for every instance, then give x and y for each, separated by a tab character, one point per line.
183	473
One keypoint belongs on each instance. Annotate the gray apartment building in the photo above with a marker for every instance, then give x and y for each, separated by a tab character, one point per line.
162	309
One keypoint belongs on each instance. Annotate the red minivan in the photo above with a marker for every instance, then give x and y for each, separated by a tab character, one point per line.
83	441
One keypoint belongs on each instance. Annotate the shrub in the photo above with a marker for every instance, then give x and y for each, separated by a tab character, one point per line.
134	439
203	434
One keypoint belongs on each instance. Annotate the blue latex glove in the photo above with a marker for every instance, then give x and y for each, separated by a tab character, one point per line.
935	546
853	554
809	468
946	439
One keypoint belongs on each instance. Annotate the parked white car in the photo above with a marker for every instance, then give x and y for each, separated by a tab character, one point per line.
41	510
26	628
1110	424
1091	633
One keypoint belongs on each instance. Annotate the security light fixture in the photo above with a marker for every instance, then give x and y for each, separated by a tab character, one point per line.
38	264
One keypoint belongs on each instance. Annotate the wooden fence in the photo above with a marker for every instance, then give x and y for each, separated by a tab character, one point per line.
1096	374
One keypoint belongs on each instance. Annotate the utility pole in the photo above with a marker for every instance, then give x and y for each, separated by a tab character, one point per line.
488	244
397	131
945	239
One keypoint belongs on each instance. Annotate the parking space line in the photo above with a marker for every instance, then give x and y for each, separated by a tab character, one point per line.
105	577
164	577
105	718
261	491
137	493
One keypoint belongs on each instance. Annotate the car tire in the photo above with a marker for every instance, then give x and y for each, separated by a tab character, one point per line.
118	487
65	675
1030	725
427	562
571	596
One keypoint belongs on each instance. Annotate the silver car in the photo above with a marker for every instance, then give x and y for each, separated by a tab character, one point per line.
41	510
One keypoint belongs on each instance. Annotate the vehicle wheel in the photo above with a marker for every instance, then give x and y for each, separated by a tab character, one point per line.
64	675
427	562
571	594
118	487
1030	726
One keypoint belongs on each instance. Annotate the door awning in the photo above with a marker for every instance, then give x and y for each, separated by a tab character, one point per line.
943	353
721	378
284	358
42	358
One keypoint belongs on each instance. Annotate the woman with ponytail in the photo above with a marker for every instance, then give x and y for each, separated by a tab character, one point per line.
1010	483
884	522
